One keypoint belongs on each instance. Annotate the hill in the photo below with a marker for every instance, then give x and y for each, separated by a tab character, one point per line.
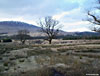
12	27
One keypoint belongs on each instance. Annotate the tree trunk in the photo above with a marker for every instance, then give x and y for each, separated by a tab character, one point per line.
23	41
50	41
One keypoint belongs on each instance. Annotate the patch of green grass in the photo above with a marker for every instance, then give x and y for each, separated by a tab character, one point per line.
38	51
6	48
47	45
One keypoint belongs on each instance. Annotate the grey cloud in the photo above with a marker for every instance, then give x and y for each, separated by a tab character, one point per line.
35	7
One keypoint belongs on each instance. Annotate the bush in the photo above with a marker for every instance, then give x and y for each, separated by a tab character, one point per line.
6	63
7	40
80	57
21	60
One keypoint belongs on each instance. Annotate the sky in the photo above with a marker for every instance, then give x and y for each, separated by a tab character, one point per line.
70	13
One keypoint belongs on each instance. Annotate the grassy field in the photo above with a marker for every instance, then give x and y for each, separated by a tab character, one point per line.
75	58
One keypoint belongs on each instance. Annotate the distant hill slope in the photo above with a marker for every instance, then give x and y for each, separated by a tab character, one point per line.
12	27
87	33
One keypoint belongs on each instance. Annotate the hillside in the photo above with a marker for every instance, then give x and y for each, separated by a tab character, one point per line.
86	33
12	27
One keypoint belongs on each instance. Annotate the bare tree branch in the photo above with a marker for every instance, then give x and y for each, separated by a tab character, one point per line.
48	26
23	35
95	20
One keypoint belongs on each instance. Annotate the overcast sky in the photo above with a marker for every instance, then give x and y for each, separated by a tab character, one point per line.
71	13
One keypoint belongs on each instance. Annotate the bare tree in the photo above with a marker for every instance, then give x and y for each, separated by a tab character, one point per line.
94	18
49	26
23	35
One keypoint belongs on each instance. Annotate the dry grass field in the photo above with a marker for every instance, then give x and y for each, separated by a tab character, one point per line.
61	58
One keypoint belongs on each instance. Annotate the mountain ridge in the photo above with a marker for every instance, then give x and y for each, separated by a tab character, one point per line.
12	27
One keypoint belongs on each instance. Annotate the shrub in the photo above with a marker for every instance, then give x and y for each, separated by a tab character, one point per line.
1	58
80	57
7	40
6	64
21	60
12	58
